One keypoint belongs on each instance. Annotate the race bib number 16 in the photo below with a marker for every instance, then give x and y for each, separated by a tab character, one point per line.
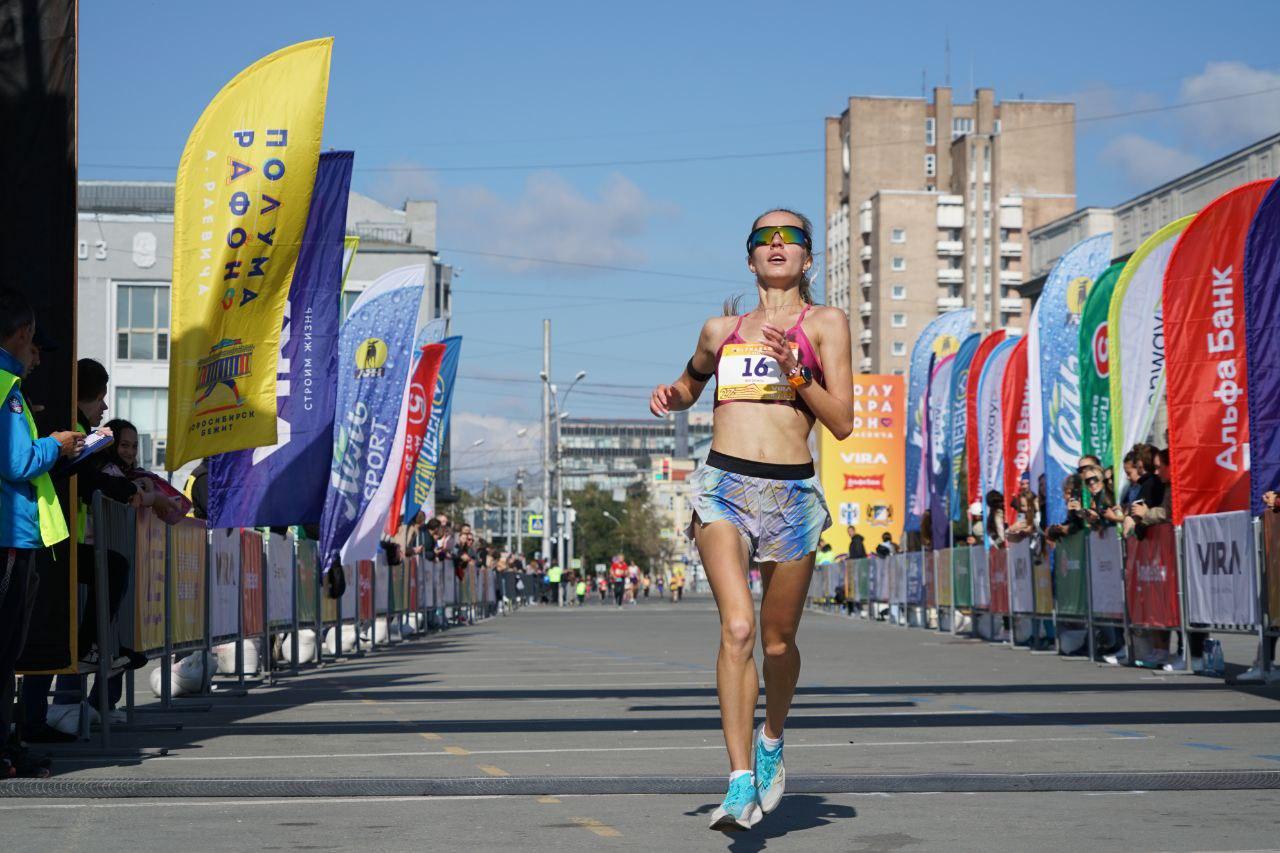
748	372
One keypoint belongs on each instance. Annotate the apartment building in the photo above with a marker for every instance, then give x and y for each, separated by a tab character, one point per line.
927	206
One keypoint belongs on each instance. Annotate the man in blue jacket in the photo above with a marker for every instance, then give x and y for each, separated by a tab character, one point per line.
30	516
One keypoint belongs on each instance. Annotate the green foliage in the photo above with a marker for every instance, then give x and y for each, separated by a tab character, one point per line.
636	534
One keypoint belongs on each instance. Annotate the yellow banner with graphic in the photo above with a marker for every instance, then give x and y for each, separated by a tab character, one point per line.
240	208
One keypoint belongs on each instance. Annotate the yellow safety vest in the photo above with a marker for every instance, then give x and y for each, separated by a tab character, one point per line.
53	525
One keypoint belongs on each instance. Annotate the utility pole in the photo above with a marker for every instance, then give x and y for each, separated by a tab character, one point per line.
520	513
484	512
546	440
506	521
560	519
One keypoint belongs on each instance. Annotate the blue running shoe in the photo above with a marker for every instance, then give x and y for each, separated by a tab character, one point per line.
739	810
771	775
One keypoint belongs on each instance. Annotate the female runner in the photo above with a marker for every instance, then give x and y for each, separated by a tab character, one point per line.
778	369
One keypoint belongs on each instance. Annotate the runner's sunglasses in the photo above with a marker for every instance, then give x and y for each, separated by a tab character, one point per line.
792	234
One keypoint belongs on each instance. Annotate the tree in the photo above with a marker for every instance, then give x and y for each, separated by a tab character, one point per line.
635	533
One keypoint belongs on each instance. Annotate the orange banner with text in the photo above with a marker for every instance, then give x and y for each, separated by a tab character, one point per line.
863	476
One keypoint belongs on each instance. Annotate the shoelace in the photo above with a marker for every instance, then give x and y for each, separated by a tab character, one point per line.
741	792
766	764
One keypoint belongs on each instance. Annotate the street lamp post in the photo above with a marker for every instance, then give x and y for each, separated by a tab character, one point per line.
556	401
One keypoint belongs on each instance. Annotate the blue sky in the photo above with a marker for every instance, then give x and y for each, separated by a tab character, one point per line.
445	94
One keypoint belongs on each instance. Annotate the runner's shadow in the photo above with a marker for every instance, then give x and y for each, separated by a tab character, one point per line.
796	813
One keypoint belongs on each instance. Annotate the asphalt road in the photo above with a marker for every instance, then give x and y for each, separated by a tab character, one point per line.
597	728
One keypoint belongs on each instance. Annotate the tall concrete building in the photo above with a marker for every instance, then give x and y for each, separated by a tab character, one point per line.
928	204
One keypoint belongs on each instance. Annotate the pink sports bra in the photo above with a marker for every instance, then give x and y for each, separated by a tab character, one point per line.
804	350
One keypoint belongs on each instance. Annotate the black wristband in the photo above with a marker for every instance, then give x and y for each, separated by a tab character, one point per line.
695	373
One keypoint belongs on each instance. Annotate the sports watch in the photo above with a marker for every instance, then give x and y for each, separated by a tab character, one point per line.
800	377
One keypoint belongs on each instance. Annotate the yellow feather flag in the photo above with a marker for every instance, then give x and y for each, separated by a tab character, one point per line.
240	209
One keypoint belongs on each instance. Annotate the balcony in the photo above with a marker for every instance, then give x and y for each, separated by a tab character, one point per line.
865	309
865	337
865	279
951	248
1010	277
950	303
1011	250
864	217
864	253
1011	304
947	275
865	364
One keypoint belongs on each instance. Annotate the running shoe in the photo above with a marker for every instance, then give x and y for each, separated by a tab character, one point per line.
739	810
771	775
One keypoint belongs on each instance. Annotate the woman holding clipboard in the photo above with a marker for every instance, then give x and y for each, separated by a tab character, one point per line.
779	369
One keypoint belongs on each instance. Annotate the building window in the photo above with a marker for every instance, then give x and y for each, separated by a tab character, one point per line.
142	322
930	136
148	410
930	165
899	321
899	348
899	291
995	127
899	264
961	126
898	235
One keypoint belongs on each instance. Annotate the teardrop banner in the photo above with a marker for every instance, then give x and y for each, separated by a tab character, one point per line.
1095	367
1207	382
1262	318
1015	403
972	454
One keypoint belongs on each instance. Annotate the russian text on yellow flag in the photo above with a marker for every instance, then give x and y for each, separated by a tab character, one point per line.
240	209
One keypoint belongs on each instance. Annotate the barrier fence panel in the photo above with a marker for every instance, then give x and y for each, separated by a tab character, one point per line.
1221	569
913	578
280	581
187	591
962	584
998	569
1105	555
980	577
930	578
897	579
1069	571
307	585
1042	575
148	582
224	603
863	575
251	592
942	573
1022	593
364	581
1271	556
381	583
350	595
1151	579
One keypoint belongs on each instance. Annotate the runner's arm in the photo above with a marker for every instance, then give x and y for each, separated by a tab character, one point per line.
686	390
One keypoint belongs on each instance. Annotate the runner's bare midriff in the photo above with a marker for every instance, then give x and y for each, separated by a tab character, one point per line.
764	432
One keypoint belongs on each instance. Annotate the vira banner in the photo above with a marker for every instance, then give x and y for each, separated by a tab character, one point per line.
1135	338
284	483
991	427
1095	366
437	431
241	202
1015	427
862	476
972	451
1207	385
1063	298
939	339
374	355
957	422
1222	570
1262	318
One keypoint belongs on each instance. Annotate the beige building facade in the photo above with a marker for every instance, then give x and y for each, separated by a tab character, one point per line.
928	203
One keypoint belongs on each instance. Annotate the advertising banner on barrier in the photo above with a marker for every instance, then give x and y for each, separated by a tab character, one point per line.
930	580
1262	318
305	593
1062	299
186	604
224	604
1151	579
942	577
284	483
1106	574
1069	556
399	587
998	569
279	580
972	425
252	575
375	348
1043	577
1022	596
1222	572
1135	338
1271	562
148	582
364	582
240	206
862	475
449	585
939	339
381	584
962	585
990	427
957	483
1207	388
1015	426
1095	367
980	577
429	572
913	578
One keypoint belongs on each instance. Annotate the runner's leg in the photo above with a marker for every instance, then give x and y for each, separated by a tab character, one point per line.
785	587
724	558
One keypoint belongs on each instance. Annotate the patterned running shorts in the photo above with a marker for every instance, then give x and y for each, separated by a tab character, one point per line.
781	520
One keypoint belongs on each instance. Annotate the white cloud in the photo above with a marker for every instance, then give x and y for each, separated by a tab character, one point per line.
548	218
1145	162
502	452
1237	120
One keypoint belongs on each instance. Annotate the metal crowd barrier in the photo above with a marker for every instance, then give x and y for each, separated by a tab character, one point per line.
1213	574
192	589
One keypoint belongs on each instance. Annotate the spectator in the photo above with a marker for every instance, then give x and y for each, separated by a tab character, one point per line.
886	548
825	554
31	518
995	519
1071	490
857	545
1101	511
